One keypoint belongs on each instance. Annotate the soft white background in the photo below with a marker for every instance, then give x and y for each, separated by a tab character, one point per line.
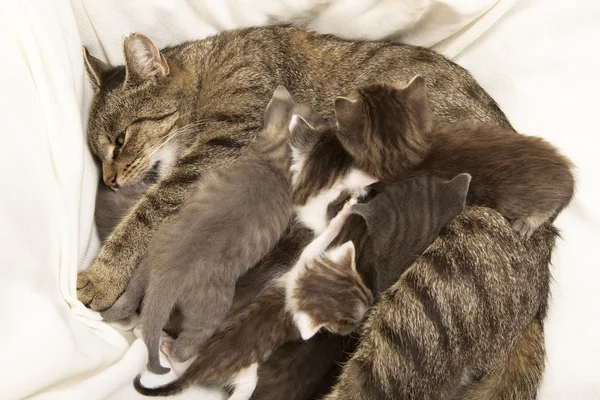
538	58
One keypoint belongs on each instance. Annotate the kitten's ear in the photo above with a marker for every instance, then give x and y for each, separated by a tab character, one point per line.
348	112
96	69
455	196
416	88
302	135
416	93
344	256
312	117
305	325
143	61
279	110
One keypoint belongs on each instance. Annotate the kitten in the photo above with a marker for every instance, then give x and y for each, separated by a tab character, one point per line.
388	129
234	218
323	290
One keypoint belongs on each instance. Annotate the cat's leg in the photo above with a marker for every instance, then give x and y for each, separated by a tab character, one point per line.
99	286
245	383
204	309
519	376
129	301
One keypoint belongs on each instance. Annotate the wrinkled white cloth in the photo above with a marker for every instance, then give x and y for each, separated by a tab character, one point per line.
537	61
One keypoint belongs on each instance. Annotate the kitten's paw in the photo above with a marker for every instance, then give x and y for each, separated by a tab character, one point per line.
97	292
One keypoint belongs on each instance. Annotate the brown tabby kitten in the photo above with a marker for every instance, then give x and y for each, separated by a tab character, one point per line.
323	290
388	129
236	215
195	106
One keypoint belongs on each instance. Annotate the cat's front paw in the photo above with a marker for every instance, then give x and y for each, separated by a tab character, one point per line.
96	291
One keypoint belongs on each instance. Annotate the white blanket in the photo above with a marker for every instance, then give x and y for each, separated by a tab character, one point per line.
538	61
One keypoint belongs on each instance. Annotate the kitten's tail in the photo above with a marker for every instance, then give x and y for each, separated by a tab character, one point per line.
169	389
156	309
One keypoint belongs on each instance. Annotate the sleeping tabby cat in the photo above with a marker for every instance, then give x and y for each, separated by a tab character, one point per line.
195	106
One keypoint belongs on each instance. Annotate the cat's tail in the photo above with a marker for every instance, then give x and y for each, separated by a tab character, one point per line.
169	389
156	309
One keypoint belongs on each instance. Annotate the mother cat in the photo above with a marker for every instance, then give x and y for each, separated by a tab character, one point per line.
195	106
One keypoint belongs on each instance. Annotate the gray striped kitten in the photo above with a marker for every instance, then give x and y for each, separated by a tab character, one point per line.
236	215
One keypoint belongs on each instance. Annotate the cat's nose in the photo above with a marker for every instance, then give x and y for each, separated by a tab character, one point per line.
109	176
111	181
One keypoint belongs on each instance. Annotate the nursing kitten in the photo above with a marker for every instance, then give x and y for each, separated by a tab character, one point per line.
323	290
195	106
234	218
388	129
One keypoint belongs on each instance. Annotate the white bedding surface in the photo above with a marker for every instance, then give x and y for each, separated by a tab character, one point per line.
538	60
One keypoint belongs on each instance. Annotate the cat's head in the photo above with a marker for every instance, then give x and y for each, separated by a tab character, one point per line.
328	293
385	126
136	112
409	214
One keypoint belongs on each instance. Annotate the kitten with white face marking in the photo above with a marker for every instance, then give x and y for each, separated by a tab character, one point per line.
223	230
317	185
322	290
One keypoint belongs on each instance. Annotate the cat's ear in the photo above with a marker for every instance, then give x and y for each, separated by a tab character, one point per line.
348	112
416	88
279	110
143	61
344	256
312	117
306	325
416	93
96	69
455	196
302	134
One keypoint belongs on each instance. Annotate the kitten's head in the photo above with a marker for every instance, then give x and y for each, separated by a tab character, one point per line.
409	214
135	112
328	293
384	127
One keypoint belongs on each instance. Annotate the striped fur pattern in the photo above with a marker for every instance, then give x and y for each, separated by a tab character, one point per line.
233	220
388	130
197	105
462	322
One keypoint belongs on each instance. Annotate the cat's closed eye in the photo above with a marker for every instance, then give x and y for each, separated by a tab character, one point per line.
119	141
